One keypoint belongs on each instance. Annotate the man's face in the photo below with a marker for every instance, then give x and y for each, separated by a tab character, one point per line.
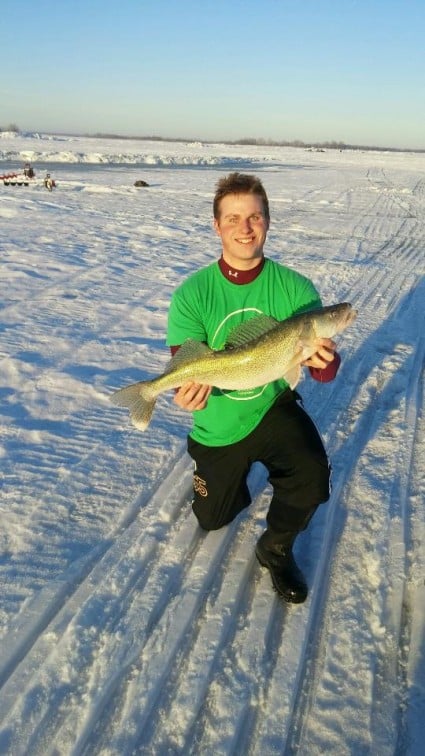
242	227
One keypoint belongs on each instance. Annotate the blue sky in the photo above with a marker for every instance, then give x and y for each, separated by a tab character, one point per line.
349	70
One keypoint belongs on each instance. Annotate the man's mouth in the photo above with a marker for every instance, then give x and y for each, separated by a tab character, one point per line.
245	241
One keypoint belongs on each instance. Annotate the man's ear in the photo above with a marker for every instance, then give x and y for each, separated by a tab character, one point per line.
216	227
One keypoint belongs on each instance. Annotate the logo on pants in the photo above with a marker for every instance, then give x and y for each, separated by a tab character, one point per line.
200	486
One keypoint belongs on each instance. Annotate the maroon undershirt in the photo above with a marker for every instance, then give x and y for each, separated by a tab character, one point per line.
240	277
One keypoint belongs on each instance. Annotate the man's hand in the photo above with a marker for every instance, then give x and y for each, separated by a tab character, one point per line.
324	355
192	396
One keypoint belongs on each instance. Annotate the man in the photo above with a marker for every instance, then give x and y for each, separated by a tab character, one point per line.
232	429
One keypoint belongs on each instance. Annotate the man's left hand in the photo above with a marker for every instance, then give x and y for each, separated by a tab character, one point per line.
324	355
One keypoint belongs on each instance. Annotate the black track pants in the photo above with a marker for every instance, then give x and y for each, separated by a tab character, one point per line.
288	444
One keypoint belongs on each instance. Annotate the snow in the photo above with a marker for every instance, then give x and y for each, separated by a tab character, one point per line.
124	628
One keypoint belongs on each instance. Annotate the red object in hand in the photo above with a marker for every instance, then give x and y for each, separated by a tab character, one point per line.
327	374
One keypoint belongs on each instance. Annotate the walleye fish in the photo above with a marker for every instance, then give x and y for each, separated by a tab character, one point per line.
257	352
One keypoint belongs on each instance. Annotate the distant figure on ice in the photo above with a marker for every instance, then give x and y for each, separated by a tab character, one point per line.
28	170
49	183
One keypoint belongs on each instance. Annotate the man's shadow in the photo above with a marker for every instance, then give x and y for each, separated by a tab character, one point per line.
368	404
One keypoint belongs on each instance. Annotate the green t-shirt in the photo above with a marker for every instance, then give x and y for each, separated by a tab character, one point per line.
206	307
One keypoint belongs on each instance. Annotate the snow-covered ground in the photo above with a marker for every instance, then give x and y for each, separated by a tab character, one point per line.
124	628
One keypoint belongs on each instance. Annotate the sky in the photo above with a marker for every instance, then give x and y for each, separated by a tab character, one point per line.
313	70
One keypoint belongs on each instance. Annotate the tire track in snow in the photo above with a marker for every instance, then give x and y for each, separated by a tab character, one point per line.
343	397
118	637
57	608
317	692
412	663
391	684
151	685
77	464
217	653
162	662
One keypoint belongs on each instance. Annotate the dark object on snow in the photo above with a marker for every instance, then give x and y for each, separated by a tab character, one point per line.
14	182
274	551
140	183
49	183
29	170
18	179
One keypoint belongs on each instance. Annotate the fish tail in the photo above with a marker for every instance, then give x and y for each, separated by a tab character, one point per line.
139	400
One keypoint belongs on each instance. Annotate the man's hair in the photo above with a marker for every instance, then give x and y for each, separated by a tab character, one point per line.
240	183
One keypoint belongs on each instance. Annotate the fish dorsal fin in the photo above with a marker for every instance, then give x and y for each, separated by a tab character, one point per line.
190	350
251	329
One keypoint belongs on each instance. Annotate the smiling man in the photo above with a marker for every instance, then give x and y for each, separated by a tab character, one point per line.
233	429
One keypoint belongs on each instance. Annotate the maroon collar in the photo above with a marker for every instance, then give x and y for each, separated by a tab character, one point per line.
240	276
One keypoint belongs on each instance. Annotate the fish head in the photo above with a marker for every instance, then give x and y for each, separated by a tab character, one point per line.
328	321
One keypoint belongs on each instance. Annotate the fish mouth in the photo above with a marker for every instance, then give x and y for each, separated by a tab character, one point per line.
348	315
340	315
351	314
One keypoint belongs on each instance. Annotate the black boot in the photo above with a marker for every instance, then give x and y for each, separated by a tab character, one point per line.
274	551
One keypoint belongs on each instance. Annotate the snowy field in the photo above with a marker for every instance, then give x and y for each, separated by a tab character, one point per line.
124	628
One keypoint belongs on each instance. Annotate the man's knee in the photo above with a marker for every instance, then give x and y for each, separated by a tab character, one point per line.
207	519
219	510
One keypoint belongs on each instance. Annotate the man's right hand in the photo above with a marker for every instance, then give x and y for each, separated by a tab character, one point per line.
192	396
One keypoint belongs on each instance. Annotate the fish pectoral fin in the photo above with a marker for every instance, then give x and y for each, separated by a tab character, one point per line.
306	349
190	350
293	375
294	371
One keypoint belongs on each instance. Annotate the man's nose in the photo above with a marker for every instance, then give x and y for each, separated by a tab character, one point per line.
245	225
